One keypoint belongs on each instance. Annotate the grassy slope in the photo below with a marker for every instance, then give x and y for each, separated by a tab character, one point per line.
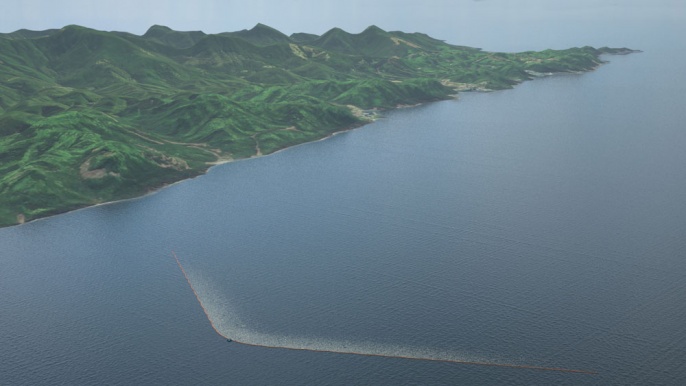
89	116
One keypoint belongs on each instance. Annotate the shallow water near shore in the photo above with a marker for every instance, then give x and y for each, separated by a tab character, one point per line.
541	226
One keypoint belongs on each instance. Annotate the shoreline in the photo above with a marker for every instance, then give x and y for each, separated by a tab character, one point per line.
367	121
211	165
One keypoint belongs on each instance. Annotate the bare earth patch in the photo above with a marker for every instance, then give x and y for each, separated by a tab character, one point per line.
397	42
93	174
465	86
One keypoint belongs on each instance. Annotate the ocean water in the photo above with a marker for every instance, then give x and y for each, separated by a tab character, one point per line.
541	226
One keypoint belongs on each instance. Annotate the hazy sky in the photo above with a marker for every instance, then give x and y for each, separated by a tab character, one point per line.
458	21
213	16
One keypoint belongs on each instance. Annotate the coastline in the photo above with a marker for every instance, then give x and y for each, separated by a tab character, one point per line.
211	165
365	119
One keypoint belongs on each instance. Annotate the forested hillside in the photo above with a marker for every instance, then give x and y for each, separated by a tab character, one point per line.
89	116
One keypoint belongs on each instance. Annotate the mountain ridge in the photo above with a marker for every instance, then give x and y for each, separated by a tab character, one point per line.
90	116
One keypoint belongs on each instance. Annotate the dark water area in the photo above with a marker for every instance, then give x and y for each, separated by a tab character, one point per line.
542	225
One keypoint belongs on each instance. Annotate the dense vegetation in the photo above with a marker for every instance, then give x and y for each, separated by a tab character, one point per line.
88	116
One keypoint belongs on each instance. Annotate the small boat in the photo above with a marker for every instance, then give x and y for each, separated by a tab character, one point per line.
229	340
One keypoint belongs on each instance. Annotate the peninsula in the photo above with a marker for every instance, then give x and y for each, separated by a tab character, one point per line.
88	116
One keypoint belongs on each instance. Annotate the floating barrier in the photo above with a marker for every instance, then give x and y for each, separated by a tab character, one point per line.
347	350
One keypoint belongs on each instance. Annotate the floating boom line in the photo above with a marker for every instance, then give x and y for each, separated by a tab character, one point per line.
417	358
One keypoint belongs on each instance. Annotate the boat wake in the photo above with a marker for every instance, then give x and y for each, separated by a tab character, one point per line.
228	325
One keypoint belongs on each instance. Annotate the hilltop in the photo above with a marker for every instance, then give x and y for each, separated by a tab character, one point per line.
88	116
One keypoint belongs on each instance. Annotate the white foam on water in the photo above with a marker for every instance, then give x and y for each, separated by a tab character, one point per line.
226	321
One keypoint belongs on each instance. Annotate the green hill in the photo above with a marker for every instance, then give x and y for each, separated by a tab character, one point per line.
301	37
261	35
88	116
28	34
176	39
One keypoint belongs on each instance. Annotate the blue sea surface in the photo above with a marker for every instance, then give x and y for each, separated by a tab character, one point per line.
543	226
